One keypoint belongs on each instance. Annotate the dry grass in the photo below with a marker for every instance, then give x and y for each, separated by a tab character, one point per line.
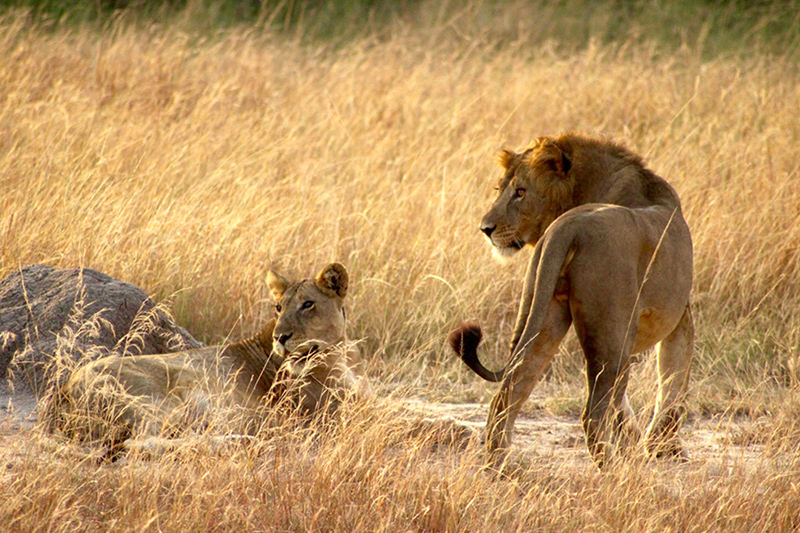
188	166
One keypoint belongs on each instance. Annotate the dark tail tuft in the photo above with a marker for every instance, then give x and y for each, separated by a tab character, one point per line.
464	341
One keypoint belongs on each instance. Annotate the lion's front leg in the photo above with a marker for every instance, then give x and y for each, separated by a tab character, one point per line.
627	430
674	361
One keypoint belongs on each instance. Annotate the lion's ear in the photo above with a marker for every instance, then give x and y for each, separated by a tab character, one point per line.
277	284
505	157
333	280
566	163
551	155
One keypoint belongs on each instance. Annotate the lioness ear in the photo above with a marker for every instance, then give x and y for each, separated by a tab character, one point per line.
332	280
277	285
505	157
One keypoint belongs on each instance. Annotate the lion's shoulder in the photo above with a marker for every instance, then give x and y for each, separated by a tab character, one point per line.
619	174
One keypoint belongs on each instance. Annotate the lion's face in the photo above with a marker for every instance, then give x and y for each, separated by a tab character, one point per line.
534	190
311	316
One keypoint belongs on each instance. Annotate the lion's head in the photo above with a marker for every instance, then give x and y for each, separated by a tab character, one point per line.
535	189
311	315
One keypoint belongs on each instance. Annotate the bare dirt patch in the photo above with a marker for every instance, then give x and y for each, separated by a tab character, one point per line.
17	407
710	442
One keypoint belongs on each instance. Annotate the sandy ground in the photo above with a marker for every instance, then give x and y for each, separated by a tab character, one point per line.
710	443
538	437
17	408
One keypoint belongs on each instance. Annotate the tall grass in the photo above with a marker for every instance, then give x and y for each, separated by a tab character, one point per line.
709	26
360	476
189	165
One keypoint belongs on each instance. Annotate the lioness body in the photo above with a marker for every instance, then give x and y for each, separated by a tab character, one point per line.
301	358
613	256
115	398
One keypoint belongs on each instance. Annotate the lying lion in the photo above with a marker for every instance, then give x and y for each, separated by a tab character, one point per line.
613	256
301	359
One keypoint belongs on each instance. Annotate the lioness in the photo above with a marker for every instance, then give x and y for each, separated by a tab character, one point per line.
613	256
301	358
116	398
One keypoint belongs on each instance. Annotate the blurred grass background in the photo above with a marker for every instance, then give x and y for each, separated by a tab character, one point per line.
713	26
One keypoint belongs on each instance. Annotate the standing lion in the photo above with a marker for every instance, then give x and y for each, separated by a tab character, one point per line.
613	257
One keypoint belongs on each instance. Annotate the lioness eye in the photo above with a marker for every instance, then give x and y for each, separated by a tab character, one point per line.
308	304
278	308
519	193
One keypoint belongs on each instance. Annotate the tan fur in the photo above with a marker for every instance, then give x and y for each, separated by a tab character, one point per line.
613	256
222	388
116	398
301	359
311	334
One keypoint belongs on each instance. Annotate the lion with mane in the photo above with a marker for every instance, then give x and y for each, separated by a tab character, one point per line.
613	257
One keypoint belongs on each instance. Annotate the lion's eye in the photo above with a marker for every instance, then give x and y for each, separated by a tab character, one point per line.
519	193
308	304
278	308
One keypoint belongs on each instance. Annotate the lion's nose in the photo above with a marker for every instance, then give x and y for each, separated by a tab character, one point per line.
281	339
488	230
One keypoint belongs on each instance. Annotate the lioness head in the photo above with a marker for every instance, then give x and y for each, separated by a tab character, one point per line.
311	315
535	189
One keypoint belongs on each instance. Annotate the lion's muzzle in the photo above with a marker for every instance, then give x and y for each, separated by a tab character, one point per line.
280	343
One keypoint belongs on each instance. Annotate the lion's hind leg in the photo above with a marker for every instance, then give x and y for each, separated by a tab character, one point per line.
608	421
605	417
674	361
526	366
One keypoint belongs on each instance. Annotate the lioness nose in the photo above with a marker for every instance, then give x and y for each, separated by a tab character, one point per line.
488	230
281	339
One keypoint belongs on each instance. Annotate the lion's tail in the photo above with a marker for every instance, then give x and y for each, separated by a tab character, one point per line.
551	257
464	341
553	254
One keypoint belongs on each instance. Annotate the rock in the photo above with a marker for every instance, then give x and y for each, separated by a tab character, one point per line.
53	319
